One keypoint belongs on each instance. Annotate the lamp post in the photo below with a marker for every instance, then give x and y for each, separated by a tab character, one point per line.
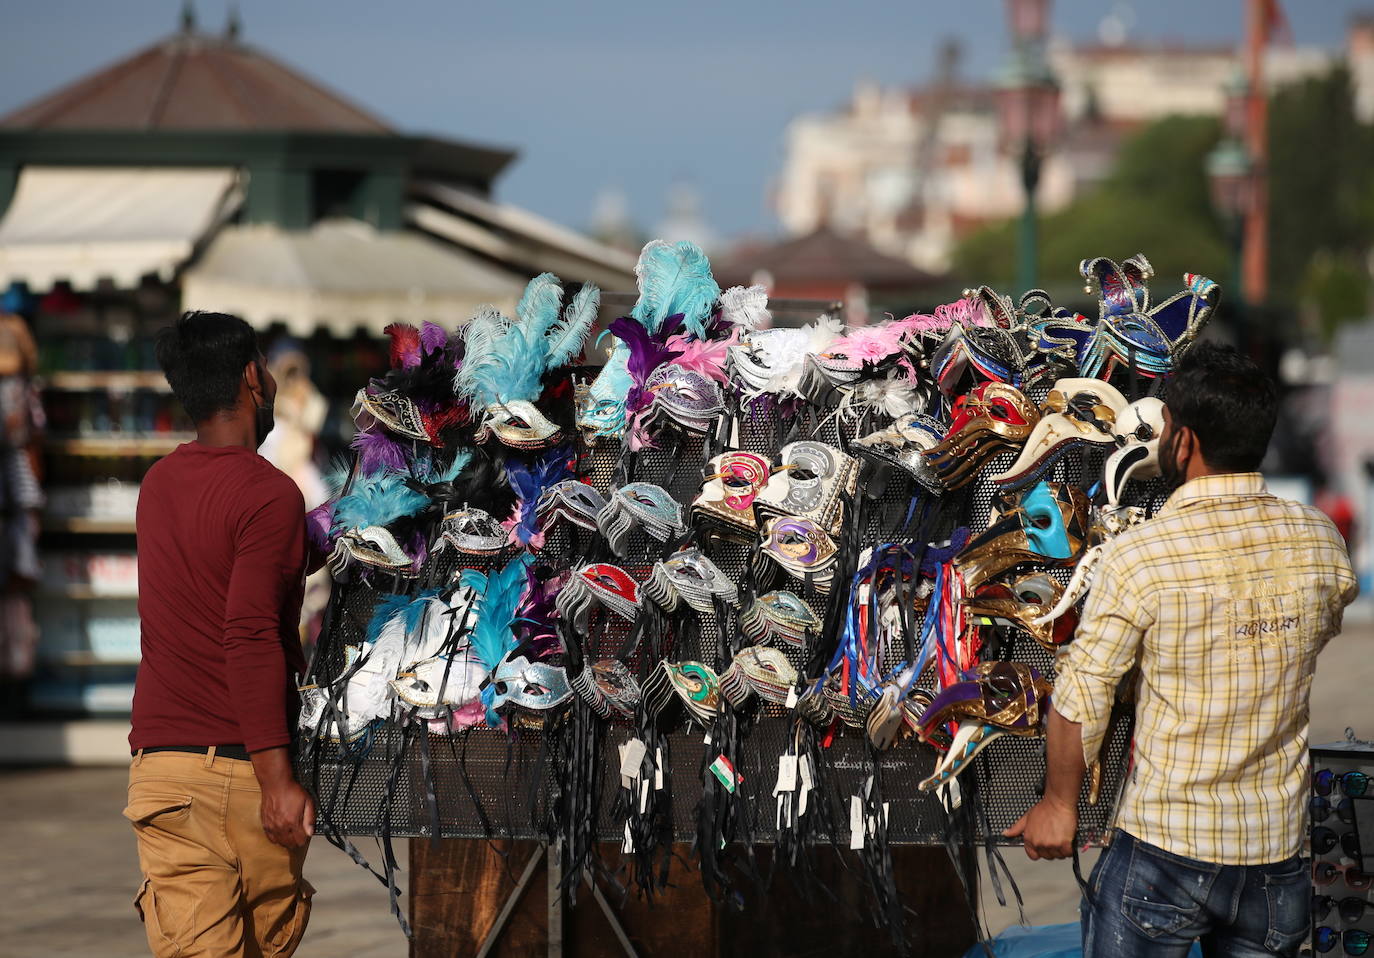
1028	114
1231	180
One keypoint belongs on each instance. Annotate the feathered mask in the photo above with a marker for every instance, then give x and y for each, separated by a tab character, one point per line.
676	294
497	598
505	360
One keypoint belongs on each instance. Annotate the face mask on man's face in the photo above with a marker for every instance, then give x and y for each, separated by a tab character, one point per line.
1174	472
264	412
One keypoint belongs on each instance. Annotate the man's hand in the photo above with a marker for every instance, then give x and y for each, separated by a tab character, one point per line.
1047	830
287	811
288	814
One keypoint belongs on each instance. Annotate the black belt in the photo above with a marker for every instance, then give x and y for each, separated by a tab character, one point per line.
221	751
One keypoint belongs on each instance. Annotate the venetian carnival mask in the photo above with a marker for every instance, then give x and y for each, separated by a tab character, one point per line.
1077	411
901	445
758	670
689	576
988	353
1046	525
601	405
1132	331
394	411
608	687
685	396
693	685
373	546
599	583
727	495
1137	437
437	684
994	699
780	618
810	484
471	532
1021	604
571	500
518	424
992	417
639	504
801	548
530	685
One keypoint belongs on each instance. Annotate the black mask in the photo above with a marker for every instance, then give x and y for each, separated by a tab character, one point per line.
1174	475
265	420
264	413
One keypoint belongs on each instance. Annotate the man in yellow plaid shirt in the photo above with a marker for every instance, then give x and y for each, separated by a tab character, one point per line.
1222	601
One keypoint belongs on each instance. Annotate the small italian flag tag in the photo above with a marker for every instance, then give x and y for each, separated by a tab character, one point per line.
723	770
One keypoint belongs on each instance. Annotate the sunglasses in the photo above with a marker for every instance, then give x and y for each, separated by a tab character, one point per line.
1350	909
1326	873
1356	942
1352	783
1320	807
1324	839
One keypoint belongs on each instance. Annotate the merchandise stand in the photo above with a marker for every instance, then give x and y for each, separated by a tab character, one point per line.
664	707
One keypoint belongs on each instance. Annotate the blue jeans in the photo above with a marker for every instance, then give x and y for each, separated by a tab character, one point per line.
1148	902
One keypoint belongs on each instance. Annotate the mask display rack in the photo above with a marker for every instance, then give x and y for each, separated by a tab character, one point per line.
806	587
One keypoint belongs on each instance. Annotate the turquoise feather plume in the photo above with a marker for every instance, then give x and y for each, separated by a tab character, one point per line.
674	278
505	360
426	473
377	501
411	608
498	596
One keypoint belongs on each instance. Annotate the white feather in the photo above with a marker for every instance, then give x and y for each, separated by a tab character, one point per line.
746	307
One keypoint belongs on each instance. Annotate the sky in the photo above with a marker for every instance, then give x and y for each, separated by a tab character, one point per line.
603	95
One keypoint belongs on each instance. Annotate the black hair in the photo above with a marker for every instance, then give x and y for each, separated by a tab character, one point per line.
203	356
1228	402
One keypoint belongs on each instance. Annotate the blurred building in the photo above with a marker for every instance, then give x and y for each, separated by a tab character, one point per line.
203	173
912	170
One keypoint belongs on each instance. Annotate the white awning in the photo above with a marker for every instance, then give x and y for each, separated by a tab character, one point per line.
342	275
525	240
88	224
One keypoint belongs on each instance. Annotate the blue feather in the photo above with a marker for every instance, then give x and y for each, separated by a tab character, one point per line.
377	501
426	473
412	608
498	598
538	308
529	484
674	278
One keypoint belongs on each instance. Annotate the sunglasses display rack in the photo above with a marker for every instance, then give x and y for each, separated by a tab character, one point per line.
1341	817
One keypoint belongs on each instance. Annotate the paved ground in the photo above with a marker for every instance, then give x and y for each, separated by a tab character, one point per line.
67	866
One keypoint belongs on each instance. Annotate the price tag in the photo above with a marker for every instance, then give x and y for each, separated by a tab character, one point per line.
658	769
643	796
628	845
787	774
856	822
631	758
791	702
804	766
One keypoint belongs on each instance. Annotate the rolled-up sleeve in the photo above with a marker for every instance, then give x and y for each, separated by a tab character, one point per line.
1104	649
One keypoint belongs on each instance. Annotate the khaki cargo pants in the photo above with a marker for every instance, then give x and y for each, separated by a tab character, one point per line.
213	885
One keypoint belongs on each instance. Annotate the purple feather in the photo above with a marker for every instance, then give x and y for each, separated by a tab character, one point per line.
537	614
647	353
318	522
378	452
419	548
433	337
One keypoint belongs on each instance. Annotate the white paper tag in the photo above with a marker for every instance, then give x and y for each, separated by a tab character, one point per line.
856	822
787	774
886	809
631	758
658	770
707	739
804	766
643	796
791	702
627	782
801	803
628	845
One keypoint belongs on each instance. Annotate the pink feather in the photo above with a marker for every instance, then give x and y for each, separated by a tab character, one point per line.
705	356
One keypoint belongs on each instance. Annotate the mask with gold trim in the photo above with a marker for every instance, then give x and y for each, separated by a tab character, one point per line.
1046	525
727	495
810	484
1077	411
992	417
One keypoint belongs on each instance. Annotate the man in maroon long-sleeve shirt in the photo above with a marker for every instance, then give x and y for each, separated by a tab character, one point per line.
222	824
